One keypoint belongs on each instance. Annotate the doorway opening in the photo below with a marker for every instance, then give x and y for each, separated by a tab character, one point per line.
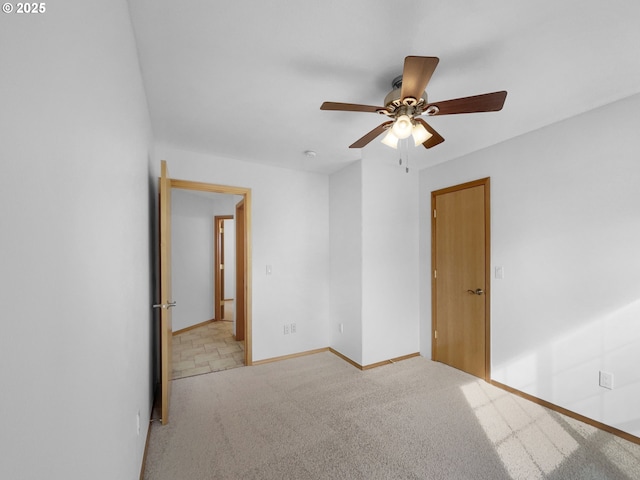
224	266
239	292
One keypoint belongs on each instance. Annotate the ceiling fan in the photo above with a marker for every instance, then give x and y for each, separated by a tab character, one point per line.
408	100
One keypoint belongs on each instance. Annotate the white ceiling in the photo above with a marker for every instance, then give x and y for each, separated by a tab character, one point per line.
245	79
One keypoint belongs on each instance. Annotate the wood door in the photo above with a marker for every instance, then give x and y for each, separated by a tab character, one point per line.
166	329
460	260
241	243
219	289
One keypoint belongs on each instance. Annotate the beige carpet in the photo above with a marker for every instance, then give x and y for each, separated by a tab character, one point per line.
317	417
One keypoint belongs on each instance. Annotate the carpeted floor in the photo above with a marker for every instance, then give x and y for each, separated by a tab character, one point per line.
317	417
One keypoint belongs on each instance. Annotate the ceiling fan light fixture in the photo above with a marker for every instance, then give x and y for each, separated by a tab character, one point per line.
402	127
420	134
390	140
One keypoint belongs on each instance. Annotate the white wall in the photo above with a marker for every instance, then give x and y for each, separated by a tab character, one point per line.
374	260
290	228
345	195
75	348
390	314
192	254
566	228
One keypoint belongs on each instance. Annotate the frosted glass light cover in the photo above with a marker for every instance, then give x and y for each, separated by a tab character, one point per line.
402	127
390	139
420	134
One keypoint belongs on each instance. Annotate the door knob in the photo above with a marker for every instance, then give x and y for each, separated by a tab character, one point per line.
477	291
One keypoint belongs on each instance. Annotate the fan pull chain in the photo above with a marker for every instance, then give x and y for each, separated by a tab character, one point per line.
404	152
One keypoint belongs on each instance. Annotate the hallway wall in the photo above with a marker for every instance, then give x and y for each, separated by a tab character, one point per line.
192	258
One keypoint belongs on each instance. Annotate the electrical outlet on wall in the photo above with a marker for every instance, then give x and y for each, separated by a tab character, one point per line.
293	328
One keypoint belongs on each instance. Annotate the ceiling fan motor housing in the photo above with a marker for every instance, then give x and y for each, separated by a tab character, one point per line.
393	103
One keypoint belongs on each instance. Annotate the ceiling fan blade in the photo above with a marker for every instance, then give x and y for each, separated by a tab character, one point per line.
488	102
349	107
416	75
371	135
435	139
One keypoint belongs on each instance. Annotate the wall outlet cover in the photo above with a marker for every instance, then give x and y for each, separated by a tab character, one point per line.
606	380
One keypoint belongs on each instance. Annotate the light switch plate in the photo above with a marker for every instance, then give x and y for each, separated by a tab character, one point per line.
606	380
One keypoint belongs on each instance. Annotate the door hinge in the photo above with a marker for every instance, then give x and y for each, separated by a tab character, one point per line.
222	266
434	213
435	274
435	334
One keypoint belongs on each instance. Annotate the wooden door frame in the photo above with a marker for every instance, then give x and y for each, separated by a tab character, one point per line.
166	299
241	255
246	194
487	267
218	275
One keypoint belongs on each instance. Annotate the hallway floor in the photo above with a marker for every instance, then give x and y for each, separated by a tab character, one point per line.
205	349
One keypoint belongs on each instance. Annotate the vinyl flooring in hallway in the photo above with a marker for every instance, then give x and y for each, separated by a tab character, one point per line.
205	349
